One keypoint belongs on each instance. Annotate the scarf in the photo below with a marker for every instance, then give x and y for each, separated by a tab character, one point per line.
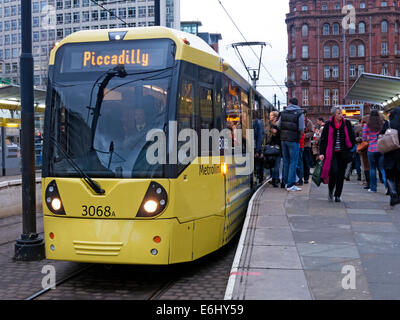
329	149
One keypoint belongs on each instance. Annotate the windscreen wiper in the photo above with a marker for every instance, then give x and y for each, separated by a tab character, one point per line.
90	182
117	71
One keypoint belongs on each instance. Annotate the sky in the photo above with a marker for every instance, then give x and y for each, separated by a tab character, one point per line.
258	20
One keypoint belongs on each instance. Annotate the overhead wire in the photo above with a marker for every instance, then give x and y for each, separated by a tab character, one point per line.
108	10
238	29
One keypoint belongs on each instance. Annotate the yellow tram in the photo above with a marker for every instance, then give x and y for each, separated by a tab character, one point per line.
103	200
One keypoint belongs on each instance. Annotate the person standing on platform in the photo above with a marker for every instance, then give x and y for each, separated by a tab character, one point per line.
336	142
391	160
307	154
291	124
371	132
300	163
259	136
275	140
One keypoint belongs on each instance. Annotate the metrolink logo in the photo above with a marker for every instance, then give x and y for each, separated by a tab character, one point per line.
236	148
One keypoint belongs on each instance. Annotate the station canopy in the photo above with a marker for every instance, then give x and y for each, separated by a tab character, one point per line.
10	98
375	89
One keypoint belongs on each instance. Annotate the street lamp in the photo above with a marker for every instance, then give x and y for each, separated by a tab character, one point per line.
29	246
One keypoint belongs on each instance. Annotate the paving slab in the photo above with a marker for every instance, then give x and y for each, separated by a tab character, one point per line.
274	257
274	236
310	250
277	285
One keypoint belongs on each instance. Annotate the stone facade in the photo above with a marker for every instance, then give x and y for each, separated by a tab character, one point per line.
331	42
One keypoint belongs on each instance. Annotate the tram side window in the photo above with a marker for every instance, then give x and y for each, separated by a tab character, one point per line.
206	76
231	108
206	108
186	112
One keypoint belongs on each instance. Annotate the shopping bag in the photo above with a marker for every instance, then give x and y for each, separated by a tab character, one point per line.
389	141
316	177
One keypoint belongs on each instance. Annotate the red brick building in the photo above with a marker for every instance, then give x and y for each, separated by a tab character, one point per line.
324	59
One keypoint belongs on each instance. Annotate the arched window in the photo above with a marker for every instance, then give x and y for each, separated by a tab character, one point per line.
327	52
384	26
326	29
335	51
304	30
353	50
336	28
361	27
361	50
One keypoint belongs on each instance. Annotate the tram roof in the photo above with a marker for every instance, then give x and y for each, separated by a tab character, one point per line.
375	89
196	51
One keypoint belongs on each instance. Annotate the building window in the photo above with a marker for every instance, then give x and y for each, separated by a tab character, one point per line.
304	30
384	48
67	17
361	28
335	72
361	50
305	97
352	70
385	69
361	69
327	72
335	97
304	52
305	75
326	29
142	12
353	50
327	52
327	97
384	26
304	8
362	5
294	53
132	12
336	29
95	15
335	51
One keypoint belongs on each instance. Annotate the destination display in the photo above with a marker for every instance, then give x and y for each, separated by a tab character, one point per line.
101	56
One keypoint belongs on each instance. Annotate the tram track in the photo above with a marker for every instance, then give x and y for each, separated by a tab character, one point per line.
194	280
58	283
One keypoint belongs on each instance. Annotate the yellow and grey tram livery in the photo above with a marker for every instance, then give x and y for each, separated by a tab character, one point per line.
103	200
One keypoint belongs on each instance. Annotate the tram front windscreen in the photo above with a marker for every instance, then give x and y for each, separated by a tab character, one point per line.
105	98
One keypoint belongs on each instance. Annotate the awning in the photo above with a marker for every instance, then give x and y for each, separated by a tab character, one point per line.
10	98
374	89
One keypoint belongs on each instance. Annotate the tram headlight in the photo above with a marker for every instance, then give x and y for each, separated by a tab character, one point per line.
150	206
154	201
56	204
53	199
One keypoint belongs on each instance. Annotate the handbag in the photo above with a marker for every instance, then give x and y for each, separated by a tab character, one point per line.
362	146
316	177
389	141
272	151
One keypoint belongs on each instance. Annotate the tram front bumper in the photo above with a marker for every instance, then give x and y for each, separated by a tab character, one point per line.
158	241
